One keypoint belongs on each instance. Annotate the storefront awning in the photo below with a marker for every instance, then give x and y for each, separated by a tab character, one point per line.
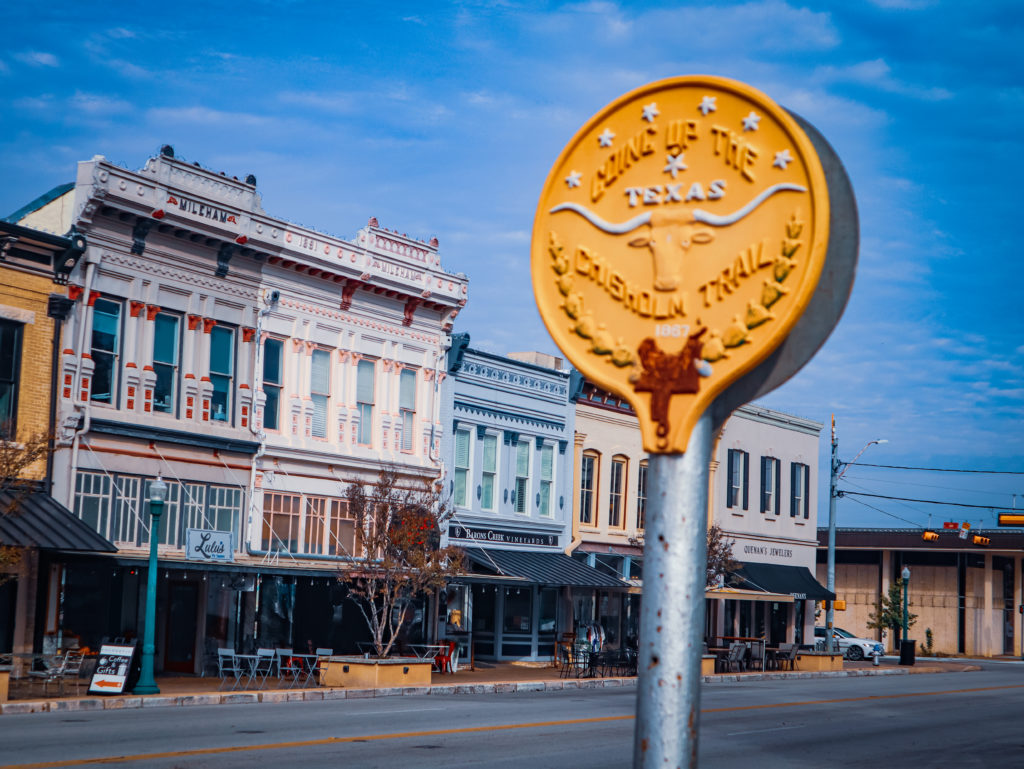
540	568
38	520
736	594
796	581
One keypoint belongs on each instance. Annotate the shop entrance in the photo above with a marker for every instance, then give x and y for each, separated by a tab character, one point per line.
180	646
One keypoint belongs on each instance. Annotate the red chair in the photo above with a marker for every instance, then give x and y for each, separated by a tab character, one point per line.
443	659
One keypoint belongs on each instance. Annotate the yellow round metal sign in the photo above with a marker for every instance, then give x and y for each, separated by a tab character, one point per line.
678	238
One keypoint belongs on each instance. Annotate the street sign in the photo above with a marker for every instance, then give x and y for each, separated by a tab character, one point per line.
112	668
678	239
951	525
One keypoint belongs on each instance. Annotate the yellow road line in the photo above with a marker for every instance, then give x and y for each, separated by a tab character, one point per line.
307	743
467	730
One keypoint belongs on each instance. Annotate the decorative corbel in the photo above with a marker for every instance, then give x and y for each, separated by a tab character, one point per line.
346	293
224	254
410	308
139	233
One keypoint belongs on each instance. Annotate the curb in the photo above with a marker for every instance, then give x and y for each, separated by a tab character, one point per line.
318	695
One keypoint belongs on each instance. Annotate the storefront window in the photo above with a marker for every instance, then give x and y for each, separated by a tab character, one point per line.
518	610
548	610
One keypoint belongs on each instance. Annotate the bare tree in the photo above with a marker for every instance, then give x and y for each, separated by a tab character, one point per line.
399	531
720	563
720	560
21	465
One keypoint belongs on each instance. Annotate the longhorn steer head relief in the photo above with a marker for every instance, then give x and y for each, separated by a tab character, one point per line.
671	233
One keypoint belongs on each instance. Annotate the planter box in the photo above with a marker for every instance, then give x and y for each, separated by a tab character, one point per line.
819	661
362	673
5	681
707	665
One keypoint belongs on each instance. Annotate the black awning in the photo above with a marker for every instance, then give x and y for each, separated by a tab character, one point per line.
796	581
540	568
38	520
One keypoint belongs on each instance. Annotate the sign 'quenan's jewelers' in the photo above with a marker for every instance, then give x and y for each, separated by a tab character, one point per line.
678	240
679	237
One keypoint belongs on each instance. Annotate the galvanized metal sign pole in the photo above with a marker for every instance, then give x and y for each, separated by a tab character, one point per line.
678	243
672	613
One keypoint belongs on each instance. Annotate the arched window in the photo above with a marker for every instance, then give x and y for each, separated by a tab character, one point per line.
616	491
588	487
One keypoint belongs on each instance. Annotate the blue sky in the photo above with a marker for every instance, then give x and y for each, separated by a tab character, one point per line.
444	119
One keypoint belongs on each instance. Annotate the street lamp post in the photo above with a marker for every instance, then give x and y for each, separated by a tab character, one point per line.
906	589
837	469
147	682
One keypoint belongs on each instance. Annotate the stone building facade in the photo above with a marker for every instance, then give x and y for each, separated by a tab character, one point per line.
257	366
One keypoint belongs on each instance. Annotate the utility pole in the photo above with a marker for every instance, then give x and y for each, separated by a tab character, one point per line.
830	579
837	469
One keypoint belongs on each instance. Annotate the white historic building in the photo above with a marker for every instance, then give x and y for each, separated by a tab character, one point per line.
259	367
763	470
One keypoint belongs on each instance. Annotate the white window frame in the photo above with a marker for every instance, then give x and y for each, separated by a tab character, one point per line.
491	474
547	484
321	397
407	409
521	504
463	469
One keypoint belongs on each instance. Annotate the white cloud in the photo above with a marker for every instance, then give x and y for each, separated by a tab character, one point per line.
414	20
877	73
206	116
121	33
331	101
37	58
92	103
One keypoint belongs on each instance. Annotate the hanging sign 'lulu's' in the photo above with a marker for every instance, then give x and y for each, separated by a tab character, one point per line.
678	239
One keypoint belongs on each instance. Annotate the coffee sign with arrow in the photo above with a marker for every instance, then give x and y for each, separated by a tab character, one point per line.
112	669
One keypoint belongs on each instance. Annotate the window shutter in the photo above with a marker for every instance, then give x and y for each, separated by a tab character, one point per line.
765	468
320	372
778	486
730	476
792	489
806	472
746	480
407	390
462	448
364	383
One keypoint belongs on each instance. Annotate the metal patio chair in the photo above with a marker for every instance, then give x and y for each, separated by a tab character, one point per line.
263	667
737	655
229	667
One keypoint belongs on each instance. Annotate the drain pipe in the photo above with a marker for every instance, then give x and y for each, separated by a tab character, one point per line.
272	298
92	261
435	413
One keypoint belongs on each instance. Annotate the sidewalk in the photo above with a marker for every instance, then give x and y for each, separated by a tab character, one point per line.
179	691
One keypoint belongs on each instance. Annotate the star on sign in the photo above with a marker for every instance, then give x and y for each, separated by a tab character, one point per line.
675	165
750	121
605	139
782	159
707	104
573	179
651	112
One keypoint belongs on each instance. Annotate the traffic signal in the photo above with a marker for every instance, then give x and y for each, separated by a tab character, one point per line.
980	540
1011	519
930	536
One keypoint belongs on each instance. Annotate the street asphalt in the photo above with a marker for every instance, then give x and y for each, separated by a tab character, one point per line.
960	720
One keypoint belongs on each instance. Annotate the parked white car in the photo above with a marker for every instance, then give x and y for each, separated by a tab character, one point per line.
853	648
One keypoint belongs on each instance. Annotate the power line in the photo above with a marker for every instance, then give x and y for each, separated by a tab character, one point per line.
891	515
924	501
938	469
